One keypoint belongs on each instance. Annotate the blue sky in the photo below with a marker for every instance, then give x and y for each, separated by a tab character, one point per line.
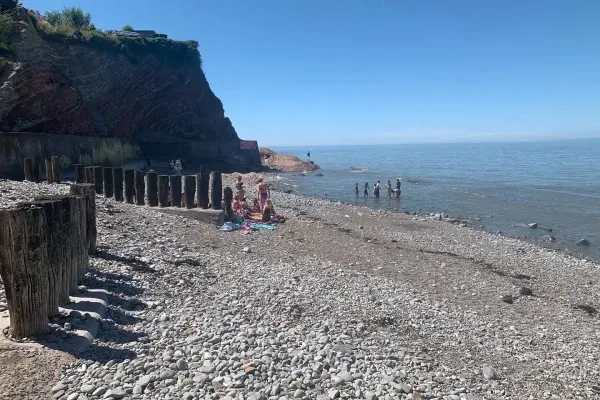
308	72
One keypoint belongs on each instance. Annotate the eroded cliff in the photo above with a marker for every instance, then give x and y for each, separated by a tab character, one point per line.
80	85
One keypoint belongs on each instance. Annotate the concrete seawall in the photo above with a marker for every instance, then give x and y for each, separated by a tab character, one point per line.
15	146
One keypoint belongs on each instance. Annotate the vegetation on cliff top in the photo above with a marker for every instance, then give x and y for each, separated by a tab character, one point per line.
73	26
6	28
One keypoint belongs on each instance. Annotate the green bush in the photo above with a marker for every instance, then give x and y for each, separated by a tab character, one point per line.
6	29
73	26
71	16
127	28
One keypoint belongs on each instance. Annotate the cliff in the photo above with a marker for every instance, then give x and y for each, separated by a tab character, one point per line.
93	83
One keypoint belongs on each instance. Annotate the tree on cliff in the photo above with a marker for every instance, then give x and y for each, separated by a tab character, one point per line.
70	16
127	28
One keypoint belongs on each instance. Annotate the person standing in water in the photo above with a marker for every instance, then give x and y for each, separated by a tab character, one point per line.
356	190
397	187
366	190
388	189
376	188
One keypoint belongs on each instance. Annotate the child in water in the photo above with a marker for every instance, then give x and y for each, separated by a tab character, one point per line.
366	190
388	189
356	190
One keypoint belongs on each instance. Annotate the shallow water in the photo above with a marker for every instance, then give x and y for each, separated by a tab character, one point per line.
502	185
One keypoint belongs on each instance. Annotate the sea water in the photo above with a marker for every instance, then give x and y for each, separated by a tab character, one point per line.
502	187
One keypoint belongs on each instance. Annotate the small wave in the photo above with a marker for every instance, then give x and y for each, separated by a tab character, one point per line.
354	169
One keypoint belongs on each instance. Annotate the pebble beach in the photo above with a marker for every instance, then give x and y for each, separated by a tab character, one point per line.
338	302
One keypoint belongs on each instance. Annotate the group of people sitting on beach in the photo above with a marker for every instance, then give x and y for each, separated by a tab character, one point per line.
377	187
262	206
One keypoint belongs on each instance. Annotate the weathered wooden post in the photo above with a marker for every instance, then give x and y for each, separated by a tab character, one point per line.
80	176
48	163
98	180
118	183
24	269
228	198
107	176
203	185
54	213
32	170
81	244
129	185
163	190
216	192
87	191
175	183
140	188
152	188
56	169
60	257
189	190
89	175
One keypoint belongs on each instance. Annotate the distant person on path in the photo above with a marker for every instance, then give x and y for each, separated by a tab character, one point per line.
308	155
398	187
388	189
366	190
149	163
376	188
172	165
356	190
178	167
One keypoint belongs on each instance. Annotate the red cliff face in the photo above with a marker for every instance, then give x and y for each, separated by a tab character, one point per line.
50	86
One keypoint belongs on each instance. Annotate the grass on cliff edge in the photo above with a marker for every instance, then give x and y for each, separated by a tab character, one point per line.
72	26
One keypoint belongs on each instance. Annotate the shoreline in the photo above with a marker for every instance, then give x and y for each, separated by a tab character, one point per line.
339	301
472	223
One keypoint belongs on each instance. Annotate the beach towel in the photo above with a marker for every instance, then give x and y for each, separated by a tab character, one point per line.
260	226
230	226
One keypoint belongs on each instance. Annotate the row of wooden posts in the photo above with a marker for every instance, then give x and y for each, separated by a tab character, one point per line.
129	185
44	254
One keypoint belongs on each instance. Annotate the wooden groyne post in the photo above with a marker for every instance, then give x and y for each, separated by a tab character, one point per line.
140	188
44	248
87	191
228	198
203	186
163	190
216	192
118	183
56	170
48	165
152	188
175	184
24	269
129	185
80	176
107	177
32	170
98	180
189	190
89	175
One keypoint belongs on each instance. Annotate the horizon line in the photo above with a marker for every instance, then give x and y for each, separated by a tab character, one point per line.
484	141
